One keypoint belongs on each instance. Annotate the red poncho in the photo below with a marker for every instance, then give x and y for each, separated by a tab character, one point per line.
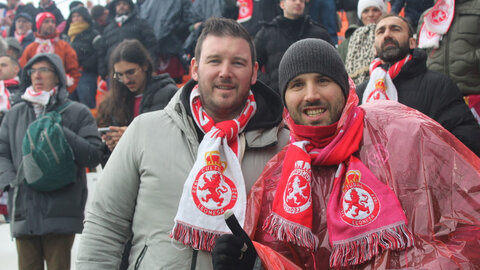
435	177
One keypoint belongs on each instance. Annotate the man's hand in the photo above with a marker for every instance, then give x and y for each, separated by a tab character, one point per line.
112	137
233	251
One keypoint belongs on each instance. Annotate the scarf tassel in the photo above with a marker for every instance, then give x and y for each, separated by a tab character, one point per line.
197	239
365	248
285	230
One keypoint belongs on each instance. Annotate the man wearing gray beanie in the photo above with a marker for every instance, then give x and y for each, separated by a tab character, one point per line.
355	187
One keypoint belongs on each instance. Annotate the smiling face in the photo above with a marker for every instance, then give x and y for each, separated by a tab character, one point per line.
314	100
224	73
292	9
392	41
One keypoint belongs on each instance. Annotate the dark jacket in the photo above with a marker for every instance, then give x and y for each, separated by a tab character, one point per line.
133	28
275	37
413	8
436	96
52	8
458	55
83	42
170	22
60	211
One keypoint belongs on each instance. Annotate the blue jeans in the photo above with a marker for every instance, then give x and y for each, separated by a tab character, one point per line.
325	13
86	91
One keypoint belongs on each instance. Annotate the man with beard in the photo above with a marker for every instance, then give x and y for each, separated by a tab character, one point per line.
175	171
47	41
399	73
377	186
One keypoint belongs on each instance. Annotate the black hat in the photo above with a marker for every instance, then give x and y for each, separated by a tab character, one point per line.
24	15
312	56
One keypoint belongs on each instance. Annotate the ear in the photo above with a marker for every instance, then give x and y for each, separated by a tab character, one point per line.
282	5
253	80
412	42
194	66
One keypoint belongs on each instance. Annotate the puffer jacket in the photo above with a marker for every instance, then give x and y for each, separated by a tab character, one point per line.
275	37
436	96
83	42
459	53
432	174
152	161
60	211
133	28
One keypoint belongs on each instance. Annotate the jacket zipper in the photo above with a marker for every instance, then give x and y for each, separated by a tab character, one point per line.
140	257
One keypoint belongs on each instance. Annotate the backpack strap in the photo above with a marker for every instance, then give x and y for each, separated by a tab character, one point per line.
60	109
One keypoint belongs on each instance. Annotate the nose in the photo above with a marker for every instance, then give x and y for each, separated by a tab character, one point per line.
312	94
225	70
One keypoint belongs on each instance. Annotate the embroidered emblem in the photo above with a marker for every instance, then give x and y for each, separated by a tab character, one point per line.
296	197
360	205
213	193
379	92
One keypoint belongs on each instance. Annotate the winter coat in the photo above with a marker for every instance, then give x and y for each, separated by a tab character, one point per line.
347	5
432	174
83	42
152	161
436	96
275	37
413	8
170	21
459	53
52	8
133	28
65	52
60	211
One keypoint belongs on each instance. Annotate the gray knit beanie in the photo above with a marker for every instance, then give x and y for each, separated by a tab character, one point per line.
312	55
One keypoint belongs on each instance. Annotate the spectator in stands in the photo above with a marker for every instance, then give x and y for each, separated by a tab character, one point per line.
133	90
50	6
47	41
81	34
99	16
14	48
22	29
126	25
324	12
275	37
170	26
44	224
400	73
359	48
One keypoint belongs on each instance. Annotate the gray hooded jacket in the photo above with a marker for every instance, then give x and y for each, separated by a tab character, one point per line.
60	211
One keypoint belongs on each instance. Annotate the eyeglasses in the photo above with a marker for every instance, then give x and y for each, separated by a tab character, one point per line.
129	73
42	70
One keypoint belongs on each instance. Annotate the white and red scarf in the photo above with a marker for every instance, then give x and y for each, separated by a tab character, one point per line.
215	183
363	215
5	94
380	85
46	45
436	23
38	97
245	10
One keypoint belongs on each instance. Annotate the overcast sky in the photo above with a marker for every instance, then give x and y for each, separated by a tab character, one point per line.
61	4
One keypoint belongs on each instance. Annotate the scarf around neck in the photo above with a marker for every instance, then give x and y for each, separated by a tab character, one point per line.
46	44
363	214
380	86
436	23
77	28
215	183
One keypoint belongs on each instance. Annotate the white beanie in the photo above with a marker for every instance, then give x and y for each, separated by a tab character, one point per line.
363	4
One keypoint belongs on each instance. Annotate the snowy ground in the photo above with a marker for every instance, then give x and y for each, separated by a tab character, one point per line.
8	252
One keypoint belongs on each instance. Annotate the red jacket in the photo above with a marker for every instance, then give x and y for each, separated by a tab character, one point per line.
435	177
66	53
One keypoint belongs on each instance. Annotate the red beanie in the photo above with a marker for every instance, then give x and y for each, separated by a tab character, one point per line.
42	16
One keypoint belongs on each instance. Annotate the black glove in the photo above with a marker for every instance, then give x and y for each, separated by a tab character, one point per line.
234	251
